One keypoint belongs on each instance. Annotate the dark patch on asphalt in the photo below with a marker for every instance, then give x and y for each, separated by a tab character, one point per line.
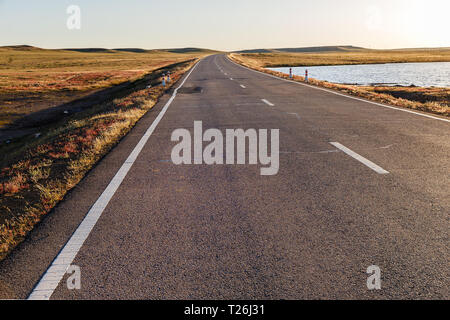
190	90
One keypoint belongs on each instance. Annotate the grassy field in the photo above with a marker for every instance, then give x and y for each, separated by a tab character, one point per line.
37	171
34	79
342	57
433	100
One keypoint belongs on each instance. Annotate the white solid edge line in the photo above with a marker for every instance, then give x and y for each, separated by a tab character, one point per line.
361	159
341	94
54	274
294	114
267	102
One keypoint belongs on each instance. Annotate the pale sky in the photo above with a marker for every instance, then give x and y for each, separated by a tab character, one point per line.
227	24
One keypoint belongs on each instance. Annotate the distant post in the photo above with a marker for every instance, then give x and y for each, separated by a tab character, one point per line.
306	75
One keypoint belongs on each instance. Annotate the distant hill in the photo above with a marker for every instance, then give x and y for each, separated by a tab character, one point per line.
91	50
322	49
134	50
255	51
319	49
139	50
104	50
21	48
187	50
306	49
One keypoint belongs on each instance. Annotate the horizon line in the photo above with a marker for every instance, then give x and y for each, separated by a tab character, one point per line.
203	48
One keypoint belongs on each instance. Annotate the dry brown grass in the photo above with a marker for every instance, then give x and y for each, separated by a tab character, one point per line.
33	79
432	100
47	169
285	59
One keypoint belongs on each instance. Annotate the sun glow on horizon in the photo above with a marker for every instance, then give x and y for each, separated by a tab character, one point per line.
426	22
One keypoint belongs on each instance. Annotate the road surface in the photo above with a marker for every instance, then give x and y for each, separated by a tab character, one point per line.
358	185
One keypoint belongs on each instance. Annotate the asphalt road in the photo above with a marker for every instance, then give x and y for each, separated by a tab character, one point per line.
226	232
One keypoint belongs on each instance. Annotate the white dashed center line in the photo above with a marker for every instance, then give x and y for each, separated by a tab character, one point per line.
294	114
243	87
361	159
267	102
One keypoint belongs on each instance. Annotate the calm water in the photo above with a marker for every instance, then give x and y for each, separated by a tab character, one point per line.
428	74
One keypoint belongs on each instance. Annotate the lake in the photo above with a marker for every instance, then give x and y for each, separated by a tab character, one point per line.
427	74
